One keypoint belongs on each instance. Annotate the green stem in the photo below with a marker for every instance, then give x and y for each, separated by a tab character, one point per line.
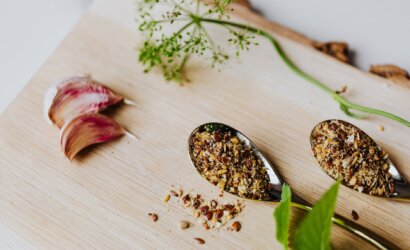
340	99
176	19
343	224
183	28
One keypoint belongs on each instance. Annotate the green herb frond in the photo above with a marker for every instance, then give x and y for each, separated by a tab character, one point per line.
242	40
171	53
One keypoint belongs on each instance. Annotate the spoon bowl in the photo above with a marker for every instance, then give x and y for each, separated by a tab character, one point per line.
275	181
345	152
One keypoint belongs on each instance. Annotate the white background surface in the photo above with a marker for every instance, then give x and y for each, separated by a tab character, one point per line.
378	30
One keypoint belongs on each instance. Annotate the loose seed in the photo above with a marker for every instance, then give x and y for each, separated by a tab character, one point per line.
153	216
180	192
209	215
166	198
184	224
219	213
196	203
200	241
173	193
204	209
205	225
186	198
214	203
236	226
355	215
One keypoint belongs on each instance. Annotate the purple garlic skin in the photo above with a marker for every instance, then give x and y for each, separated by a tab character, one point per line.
86	130
75	96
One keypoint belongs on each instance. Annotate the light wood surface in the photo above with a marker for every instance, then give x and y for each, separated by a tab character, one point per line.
102	199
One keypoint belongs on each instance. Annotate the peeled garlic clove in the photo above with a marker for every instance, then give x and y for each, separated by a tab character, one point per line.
75	96
86	130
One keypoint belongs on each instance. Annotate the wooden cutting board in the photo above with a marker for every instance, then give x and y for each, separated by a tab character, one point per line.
101	200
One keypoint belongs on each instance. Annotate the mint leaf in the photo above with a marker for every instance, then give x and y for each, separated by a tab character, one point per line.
314	231
282	217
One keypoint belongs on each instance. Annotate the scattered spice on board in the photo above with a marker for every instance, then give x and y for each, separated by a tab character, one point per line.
184	225
210	214
230	164
153	217
236	226
355	215
200	241
346	153
166	198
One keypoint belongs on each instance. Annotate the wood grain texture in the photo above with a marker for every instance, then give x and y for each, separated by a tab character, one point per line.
102	199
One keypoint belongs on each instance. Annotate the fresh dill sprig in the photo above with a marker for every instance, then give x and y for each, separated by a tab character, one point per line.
171	52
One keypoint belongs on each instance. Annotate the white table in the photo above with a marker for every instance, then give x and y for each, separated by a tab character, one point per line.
377	30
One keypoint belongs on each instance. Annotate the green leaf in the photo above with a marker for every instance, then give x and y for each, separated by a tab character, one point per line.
282	217
314	231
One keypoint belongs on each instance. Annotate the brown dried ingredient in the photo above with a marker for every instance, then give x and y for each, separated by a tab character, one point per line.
173	193
180	192
209	215
219	213
355	216
196	214
153	216
230	164
346	153
166	198
214	203
196	203
186	199
342	90
338	50
204	209
236	226
200	241
184	224
389	71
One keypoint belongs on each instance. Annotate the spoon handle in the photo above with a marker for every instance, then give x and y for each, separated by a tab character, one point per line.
340	222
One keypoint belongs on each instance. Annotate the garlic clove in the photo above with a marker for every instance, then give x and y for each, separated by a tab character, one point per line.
75	96
86	130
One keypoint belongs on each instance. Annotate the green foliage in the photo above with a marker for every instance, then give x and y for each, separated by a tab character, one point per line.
172	52
282	217
315	229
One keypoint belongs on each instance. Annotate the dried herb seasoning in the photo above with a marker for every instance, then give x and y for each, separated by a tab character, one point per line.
348	154
227	162
211	214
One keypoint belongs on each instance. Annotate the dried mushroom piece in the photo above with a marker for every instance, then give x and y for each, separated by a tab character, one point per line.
338	50
230	164
75	96
348	154
86	130
389	71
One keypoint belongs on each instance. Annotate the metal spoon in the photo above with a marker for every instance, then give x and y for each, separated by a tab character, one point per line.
397	188
275	179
